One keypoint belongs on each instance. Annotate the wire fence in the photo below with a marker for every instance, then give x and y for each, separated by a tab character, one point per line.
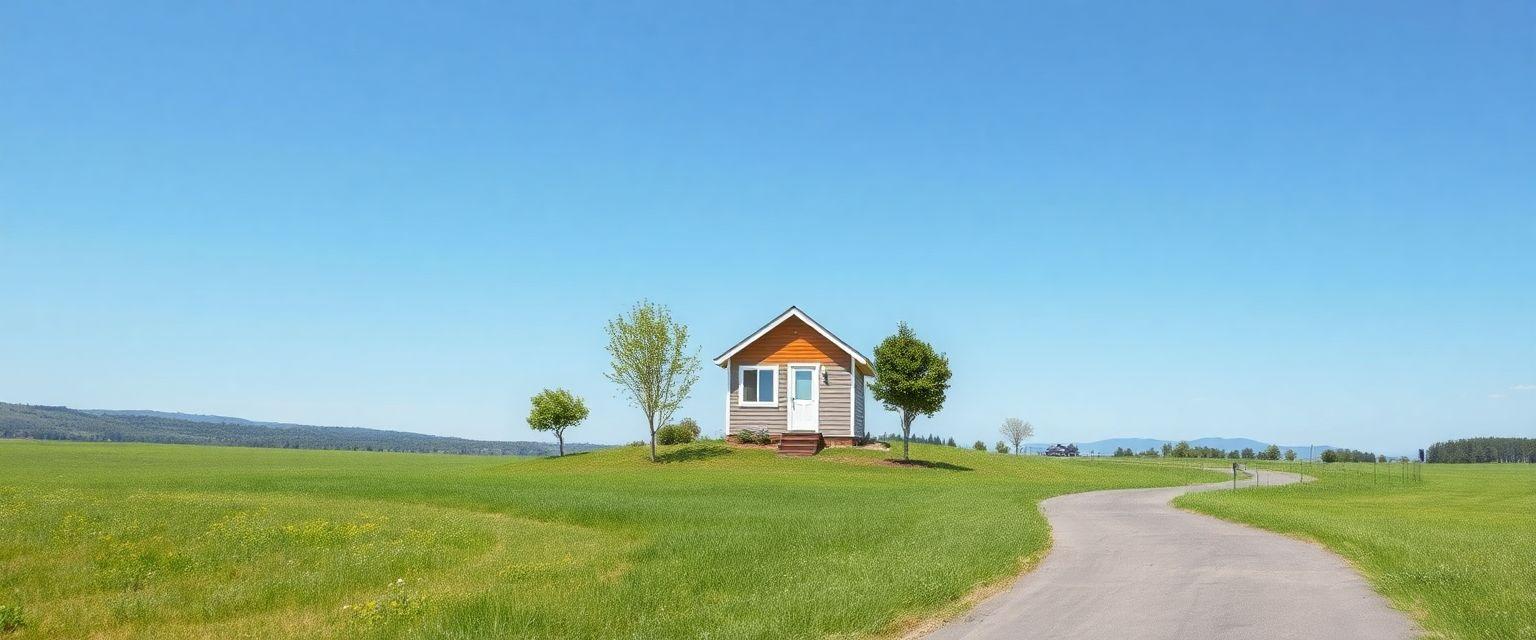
1346	475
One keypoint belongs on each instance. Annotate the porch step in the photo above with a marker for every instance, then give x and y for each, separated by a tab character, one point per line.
800	444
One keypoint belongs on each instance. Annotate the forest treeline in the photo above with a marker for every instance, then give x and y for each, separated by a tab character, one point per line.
1483	450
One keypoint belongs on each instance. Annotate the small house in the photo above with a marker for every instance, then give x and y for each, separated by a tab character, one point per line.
795	378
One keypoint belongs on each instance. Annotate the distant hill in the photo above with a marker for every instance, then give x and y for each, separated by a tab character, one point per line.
63	423
1107	447
172	415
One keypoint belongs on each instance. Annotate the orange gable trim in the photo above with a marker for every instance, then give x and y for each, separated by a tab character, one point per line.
795	337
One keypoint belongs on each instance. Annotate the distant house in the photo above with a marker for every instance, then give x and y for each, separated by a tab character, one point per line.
1062	451
795	377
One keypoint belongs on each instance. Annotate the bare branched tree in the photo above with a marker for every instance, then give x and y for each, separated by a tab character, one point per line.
1017	431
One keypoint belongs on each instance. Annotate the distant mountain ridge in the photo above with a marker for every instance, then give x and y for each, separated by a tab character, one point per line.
141	425
1107	447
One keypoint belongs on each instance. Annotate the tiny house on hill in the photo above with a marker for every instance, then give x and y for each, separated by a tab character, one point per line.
798	382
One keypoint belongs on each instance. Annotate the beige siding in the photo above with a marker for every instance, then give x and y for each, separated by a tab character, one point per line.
835	401
772	419
858	405
832	402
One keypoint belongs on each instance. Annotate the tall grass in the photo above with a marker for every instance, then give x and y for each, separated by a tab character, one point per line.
124	540
1455	545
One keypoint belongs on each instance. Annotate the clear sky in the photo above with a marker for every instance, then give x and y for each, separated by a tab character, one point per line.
1293	221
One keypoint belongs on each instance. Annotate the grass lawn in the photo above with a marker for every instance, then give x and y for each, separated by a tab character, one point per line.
1458	549
131	540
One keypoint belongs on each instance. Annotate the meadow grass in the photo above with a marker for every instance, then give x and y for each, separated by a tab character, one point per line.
1456	547
172	541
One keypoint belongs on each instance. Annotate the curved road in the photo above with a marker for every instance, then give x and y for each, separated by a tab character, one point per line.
1127	564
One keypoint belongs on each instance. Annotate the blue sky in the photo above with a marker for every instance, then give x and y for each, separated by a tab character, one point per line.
1303	222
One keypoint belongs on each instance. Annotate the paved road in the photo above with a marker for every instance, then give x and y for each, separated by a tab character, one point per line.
1127	564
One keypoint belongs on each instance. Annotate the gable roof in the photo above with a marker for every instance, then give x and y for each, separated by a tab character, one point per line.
860	361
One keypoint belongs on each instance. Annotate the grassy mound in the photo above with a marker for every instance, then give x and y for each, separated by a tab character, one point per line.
128	540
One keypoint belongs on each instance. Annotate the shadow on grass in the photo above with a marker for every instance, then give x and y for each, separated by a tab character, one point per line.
552	456
927	464
694	453
549	459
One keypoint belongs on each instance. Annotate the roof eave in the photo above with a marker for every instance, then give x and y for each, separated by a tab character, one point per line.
861	362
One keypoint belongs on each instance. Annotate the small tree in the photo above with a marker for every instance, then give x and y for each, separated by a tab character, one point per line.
1016	431
1002	447
1271	452
979	446
910	378
556	410
1290	455
651	363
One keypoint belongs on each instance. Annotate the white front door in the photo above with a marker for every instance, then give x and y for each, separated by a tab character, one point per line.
802	397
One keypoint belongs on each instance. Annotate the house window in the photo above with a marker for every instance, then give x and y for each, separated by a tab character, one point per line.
758	385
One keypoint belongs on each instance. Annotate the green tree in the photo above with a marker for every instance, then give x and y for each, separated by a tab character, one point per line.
1017	431
979	446
1271	452
1181	450
910	378
1290	455
1330	456
556	410
1002	447
652	363
1167	450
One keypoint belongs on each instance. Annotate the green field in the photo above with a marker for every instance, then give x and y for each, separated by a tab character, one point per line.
132	540
1457	548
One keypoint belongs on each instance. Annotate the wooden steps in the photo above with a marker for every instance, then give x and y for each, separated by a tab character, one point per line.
800	444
